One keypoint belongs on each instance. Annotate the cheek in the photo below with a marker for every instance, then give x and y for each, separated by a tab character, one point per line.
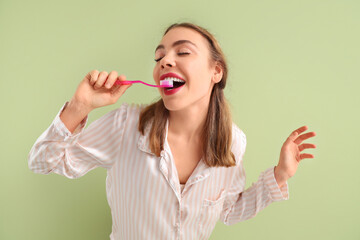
155	73
200	71
201	77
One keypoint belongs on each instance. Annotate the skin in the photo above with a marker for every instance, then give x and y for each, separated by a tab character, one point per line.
290	154
188	107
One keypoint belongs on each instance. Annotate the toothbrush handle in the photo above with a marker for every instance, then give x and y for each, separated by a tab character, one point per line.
134	81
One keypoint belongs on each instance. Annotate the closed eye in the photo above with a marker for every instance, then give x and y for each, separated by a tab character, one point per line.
181	53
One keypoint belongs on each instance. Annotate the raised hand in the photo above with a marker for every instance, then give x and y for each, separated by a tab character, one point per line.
97	89
290	154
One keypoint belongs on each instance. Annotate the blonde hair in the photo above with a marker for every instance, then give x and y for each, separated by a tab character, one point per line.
217	132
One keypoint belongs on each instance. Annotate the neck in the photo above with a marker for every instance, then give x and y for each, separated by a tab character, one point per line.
188	123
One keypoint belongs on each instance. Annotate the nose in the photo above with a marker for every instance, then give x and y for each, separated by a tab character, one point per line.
167	61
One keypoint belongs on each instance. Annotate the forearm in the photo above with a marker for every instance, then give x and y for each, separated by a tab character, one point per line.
248	203
73	114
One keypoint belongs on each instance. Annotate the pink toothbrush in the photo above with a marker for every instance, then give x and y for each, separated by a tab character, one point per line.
163	83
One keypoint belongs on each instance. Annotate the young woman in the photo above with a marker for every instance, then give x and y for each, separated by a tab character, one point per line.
174	168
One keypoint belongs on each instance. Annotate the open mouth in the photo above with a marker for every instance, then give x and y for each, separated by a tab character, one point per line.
176	83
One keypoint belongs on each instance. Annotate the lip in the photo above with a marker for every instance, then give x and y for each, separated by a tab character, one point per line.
162	77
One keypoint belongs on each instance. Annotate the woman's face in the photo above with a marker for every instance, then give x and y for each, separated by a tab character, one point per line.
185	53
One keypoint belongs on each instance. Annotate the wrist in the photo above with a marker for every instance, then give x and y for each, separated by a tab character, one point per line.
73	115
78	107
280	176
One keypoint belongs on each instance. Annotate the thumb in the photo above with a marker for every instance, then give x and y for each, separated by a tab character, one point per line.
120	90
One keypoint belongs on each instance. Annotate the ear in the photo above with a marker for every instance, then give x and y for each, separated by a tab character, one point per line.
218	73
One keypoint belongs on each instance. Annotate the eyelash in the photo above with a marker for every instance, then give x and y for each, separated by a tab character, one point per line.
181	53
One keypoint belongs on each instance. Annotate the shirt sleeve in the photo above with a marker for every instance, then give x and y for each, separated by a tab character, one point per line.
74	154
241	205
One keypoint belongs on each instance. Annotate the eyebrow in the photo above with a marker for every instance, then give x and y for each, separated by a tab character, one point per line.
175	44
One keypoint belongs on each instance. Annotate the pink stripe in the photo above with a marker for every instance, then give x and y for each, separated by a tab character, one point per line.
142	201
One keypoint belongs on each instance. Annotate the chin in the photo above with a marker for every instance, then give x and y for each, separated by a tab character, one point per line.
169	107
172	105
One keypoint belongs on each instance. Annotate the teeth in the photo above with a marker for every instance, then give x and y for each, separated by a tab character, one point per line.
174	79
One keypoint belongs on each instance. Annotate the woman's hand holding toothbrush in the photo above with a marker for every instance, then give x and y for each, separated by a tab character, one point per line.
98	90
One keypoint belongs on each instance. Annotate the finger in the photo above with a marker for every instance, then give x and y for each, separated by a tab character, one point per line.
93	76
118	91
297	132
306	145
100	81
304	137
121	90
111	79
306	155
121	78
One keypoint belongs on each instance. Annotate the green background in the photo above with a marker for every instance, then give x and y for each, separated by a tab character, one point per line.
291	63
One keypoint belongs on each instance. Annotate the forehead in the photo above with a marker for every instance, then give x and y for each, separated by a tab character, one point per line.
182	33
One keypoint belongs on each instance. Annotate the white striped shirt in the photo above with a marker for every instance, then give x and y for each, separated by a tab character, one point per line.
143	190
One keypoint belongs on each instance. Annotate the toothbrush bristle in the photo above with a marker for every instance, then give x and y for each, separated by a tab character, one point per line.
167	83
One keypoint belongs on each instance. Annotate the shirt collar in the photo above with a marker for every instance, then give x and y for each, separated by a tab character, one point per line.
201	172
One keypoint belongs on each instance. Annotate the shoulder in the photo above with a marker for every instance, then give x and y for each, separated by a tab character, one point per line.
131	106
238	141
238	134
130	109
124	113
